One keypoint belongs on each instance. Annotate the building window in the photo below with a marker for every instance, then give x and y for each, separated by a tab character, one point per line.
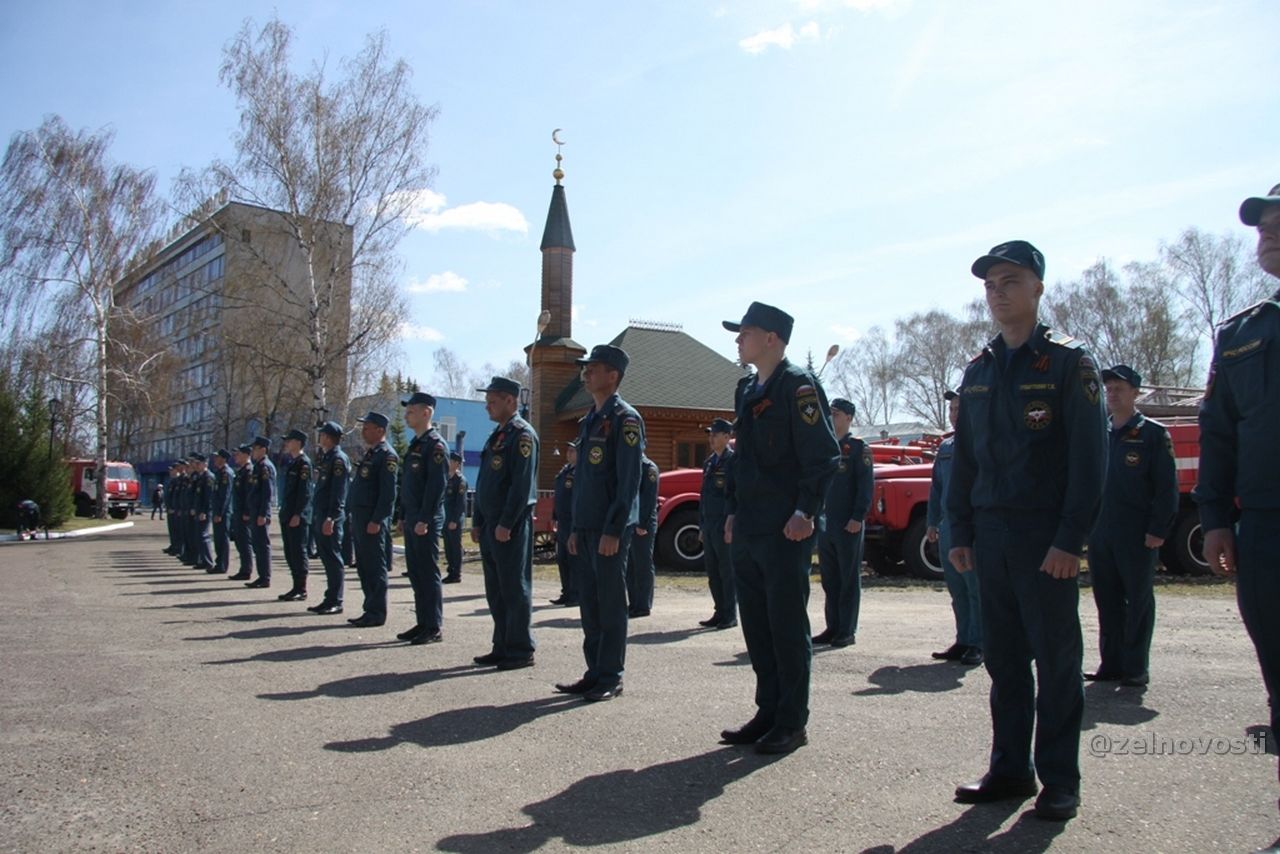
691	455
244	235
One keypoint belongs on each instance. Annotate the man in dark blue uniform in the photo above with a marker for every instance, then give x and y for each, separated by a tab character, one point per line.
455	512
372	498
1138	508
262	491
1239	456
962	586
640	569
171	505
242	522
1026	487
329	513
713	509
562	514
606	507
840	533
423	482
202	486
787	455
295	514
501	522
221	512
183	499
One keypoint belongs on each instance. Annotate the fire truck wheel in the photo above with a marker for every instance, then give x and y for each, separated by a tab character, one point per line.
1183	554
920	555
679	544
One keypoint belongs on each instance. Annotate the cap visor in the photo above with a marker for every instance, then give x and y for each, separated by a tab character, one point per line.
731	326
1251	209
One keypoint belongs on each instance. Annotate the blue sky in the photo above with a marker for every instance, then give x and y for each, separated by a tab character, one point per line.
845	160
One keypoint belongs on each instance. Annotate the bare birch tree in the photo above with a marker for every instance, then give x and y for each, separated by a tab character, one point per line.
70	222
1217	276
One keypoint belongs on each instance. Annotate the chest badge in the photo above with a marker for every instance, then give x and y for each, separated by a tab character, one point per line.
1037	415
1132	458
495	462
596	455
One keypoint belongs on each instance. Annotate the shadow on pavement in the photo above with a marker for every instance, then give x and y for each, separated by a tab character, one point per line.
972	832
1108	703
928	678
181	592
301	653
373	684
557	623
464	598
271	631
238	603
619	806
739	659
461	726
673	636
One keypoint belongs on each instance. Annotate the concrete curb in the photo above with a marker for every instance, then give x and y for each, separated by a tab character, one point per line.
62	535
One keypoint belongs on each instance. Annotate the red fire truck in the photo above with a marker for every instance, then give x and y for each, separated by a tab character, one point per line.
123	488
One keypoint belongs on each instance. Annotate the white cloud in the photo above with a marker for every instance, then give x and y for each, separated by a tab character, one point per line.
419	332
428	211
783	37
446	282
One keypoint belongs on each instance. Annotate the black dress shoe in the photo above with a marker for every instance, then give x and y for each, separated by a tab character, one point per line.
1102	676
1057	804
293	596
726	624
213	570
782	739
426	636
259	583
207	567
559	600
571	603
972	657
1138	681
488	658
824	636
846	640
366	622
603	693
354	620
748	733
582	686
316	609
239	576
330	609
951	653
451	579
515	663
409	634
636	613
993	787
714	619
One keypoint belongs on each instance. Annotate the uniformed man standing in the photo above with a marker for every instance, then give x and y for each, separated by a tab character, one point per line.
501	522
202	487
295	514
1139	505
606	507
242	527
713	509
262	492
221	512
787	455
372	498
423	481
183	508
329	513
1026	486
1239	456
840	536
962	586
640	568
562	514
170	504
455	513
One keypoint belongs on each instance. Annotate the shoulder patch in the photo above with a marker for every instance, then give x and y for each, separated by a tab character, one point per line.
525	445
1089	381
391	464
631	431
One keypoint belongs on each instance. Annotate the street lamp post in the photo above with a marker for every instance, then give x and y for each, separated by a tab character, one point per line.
526	394
55	409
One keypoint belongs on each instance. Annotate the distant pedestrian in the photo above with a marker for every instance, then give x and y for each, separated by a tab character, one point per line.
157	501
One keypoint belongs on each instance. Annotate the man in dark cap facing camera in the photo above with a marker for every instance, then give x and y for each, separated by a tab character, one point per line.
373	496
713	509
241	522
201	512
295	514
787	455
606	507
1139	505
329	512
1026	486
221	511
261	492
423	481
1239	457
455	512
501	522
840	534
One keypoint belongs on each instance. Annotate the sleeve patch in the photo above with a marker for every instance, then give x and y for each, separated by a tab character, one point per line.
525	446
807	403
391	466
631	431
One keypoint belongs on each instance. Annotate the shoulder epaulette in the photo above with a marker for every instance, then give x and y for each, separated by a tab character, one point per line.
1061	339
1252	310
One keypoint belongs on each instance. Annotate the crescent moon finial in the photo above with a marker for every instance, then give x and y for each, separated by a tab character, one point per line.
555	137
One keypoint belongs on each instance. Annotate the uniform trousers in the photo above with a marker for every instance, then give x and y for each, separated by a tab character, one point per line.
329	552
260	539
965	591
1258	594
508	588
840	565
717	557
453	550
295	551
569	566
221	545
602	588
372	564
640	572
1123	572
422	559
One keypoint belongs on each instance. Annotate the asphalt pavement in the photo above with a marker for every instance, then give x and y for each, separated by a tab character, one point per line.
147	706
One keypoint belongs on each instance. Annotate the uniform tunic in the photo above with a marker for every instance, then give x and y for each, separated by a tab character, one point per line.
221	511
424	478
562	513
713	508
1028	473
329	503
372	497
262	491
201	518
640	568
506	490
455	512
1238	457
295	500
243	522
787	454
840	552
